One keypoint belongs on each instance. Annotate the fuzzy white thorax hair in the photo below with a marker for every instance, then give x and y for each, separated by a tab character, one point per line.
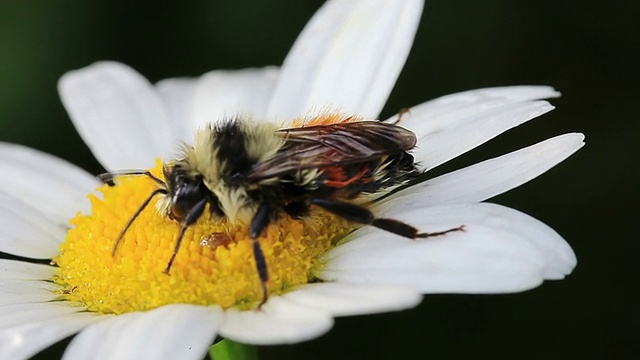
260	143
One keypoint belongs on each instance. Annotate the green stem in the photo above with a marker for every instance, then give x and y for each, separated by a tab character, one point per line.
231	350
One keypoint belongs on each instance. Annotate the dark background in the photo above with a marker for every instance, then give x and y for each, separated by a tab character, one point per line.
587	50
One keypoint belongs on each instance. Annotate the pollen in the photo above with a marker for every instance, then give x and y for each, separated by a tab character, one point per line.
214	265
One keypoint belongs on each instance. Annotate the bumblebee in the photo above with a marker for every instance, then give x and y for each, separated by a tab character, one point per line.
256	172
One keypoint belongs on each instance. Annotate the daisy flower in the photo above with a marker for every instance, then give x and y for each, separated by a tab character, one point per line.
124	307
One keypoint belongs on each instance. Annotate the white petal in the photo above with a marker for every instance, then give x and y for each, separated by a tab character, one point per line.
119	114
476	99
348	57
20	270
25	340
559	258
14	315
488	178
26	231
354	299
50	184
177	95
169	332
226	94
501	250
451	125
26	291
515	93
279	321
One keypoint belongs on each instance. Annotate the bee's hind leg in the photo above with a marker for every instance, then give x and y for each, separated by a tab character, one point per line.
361	215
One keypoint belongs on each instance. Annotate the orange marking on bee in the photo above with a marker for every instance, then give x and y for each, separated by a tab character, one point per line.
324	119
337	177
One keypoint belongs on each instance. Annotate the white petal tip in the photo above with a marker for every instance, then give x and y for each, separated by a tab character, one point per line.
100	67
572	141
346	299
280	321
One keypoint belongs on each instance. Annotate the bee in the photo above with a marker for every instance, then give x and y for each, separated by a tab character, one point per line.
257	172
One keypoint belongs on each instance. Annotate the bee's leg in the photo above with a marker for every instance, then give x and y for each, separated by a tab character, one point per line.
134	217
258	224
401	113
359	214
402	229
192	216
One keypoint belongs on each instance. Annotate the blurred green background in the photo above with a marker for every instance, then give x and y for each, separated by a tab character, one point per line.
587	50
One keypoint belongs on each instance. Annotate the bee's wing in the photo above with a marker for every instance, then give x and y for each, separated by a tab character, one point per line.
333	145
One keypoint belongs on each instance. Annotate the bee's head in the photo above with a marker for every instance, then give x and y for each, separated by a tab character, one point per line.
185	190
186	187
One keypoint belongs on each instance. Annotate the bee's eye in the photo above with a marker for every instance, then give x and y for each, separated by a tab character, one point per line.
187	194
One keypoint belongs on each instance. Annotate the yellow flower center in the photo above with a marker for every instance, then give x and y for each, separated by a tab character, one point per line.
215	263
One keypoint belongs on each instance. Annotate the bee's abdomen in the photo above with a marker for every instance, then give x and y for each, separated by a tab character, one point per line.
369	177
397	170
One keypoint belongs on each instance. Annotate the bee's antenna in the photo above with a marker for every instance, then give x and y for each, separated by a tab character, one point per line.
134	217
108	177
